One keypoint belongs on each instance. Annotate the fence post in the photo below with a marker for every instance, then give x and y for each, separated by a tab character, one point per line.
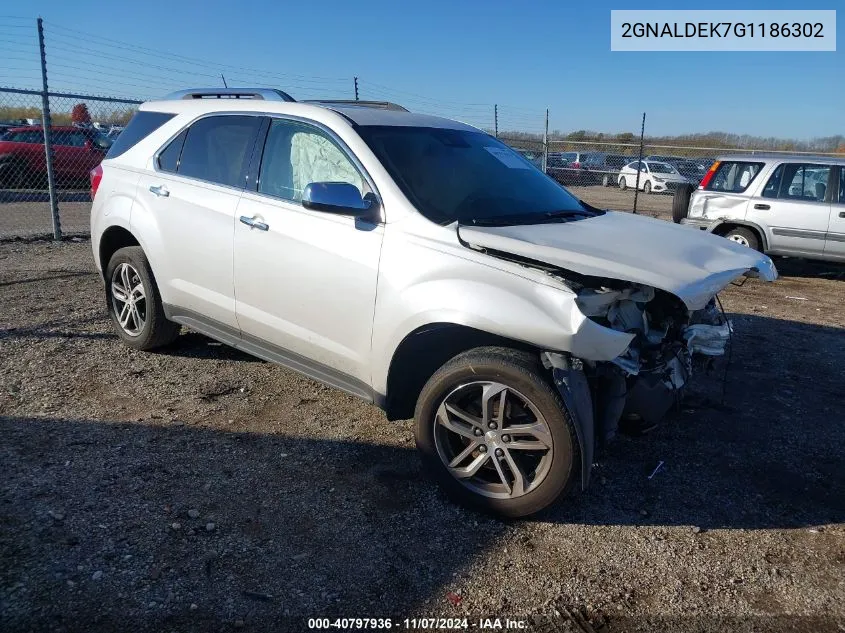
496	120
639	164
356	89
546	143
47	126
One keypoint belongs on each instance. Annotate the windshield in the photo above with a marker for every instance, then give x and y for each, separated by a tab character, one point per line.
660	168
467	176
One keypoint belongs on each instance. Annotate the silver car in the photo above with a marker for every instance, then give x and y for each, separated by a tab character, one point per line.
777	204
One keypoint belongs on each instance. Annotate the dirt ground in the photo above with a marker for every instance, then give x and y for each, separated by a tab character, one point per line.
199	489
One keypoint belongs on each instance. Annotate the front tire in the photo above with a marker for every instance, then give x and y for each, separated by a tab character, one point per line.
647	187
496	434
134	302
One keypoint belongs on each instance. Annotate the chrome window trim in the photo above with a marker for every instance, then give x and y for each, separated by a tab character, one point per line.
271	115
194	179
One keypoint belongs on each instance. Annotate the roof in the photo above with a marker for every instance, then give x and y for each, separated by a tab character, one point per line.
363	114
817	158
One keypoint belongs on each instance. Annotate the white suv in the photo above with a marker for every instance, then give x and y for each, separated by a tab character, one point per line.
415	262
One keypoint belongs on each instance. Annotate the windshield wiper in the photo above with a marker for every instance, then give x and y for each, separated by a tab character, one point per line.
530	218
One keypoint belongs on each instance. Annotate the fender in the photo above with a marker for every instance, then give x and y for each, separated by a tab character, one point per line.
545	317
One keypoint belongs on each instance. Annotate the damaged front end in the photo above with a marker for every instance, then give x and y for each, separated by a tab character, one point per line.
636	390
669	342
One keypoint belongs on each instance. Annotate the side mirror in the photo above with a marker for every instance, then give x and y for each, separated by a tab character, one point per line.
336	197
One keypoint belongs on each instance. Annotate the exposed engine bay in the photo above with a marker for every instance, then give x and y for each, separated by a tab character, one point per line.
652	373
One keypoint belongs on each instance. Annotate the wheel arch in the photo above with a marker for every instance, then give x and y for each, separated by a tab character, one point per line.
113	239
722	227
426	349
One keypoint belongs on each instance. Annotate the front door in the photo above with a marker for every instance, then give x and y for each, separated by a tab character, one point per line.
305	281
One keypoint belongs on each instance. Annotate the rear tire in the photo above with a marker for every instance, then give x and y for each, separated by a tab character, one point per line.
471	437
680	202
622	184
605	181
134	302
744	236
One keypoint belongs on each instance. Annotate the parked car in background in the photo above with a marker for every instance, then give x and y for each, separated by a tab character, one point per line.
567	168
76	151
777	204
532	156
602	168
691	168
655	176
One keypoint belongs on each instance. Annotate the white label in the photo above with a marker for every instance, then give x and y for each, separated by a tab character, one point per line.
508	158
717	30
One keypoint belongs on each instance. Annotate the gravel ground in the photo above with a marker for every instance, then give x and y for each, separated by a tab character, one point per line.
199	489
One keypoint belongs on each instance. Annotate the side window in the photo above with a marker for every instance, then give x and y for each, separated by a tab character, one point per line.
797	181
806	182
296	154
76	139
841	185
217	149
140	127
772	187
168	158
734	176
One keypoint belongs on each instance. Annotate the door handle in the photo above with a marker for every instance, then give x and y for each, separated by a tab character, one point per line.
159	190
256	224
762	207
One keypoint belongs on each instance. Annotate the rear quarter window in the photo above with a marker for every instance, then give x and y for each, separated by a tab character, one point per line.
140	127
734	176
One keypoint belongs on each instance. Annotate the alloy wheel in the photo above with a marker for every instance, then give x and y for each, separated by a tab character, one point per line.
129	299
493	440
739	239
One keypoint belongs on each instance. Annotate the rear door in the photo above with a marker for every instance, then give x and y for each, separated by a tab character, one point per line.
191	195
834	246
794	204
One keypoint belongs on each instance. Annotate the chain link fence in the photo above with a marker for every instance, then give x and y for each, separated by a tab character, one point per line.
605	173
80	130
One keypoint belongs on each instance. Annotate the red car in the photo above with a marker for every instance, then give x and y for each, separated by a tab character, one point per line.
76	151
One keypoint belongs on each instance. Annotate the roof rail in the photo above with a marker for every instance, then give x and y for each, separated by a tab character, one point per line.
267	94
383	105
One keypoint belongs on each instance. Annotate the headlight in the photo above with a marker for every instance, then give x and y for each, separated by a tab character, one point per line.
656	179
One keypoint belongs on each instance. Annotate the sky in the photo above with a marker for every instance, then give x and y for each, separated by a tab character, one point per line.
444	57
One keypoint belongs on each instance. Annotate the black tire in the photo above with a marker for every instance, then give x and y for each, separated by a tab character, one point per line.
605	180
680	202
622	184
744	236
156	331
647	187
523	375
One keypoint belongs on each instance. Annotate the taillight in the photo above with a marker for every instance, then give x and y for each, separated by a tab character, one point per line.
708	176
576	165
96	176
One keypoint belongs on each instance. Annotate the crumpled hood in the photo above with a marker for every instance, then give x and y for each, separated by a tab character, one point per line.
691	264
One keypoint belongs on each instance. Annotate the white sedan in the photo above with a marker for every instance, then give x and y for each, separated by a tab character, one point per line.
655	176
